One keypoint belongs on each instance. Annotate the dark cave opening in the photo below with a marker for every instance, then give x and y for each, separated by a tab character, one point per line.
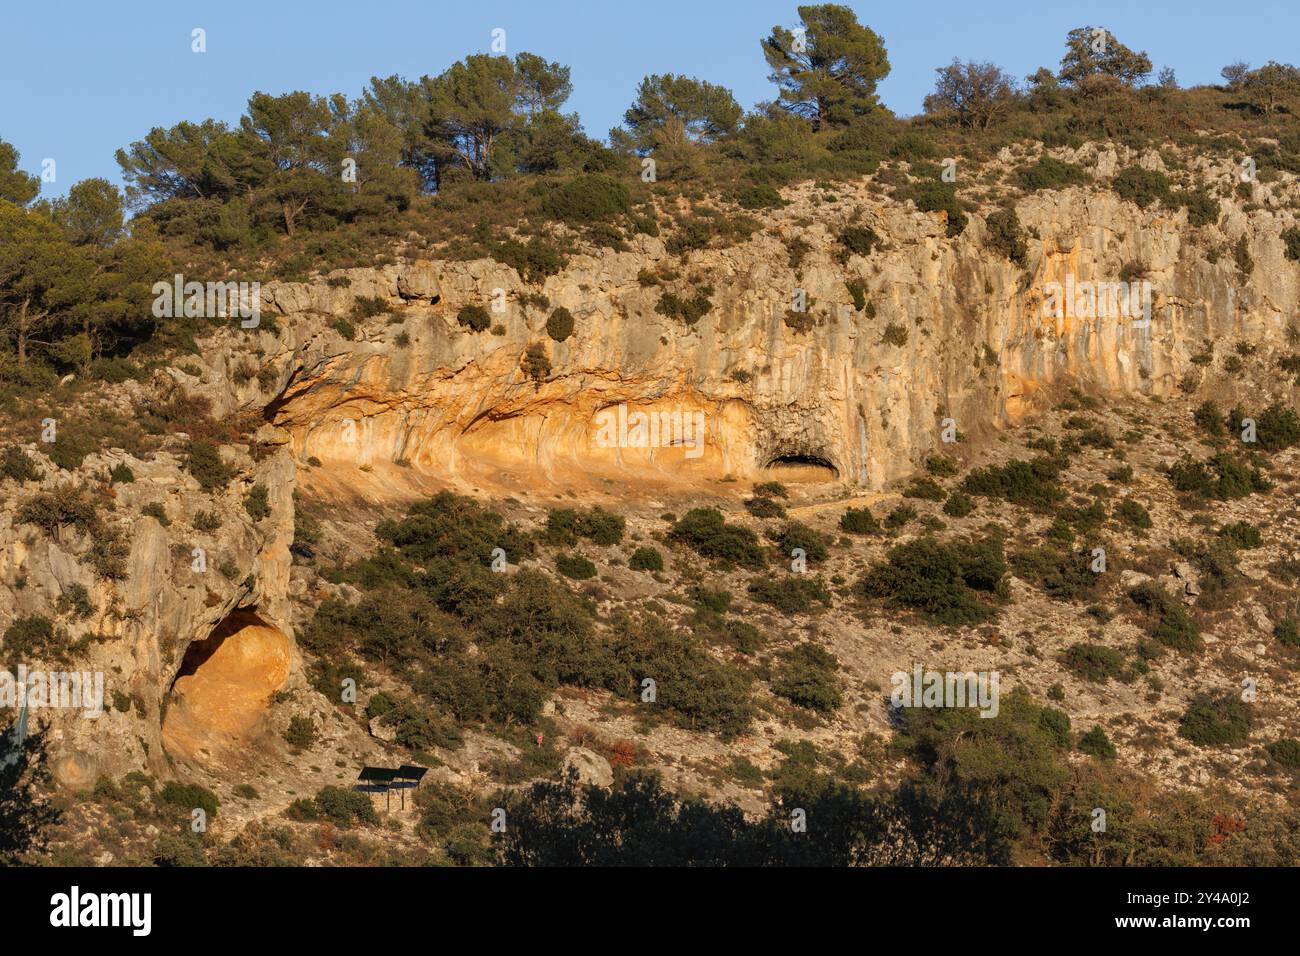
804	466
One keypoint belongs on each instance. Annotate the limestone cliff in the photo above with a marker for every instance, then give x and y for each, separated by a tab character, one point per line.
946	328
967	339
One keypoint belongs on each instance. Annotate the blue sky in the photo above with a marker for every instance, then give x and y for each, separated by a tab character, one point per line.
81	79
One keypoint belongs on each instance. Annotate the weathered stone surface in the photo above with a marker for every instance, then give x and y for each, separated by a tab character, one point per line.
591	767
144	623
455	404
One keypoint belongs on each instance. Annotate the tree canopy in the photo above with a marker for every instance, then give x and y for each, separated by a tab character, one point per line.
671	110
16	186
1092	52
827	70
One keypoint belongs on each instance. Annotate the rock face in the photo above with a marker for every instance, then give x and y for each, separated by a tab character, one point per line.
948	330
592	769
218	704
953	331
180	585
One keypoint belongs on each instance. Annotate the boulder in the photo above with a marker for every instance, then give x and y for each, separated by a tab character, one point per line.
591	767
418	281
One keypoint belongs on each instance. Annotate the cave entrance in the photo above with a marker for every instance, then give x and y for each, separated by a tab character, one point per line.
802	468
221	696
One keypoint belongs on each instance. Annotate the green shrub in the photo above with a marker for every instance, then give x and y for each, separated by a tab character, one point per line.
121	474
940	581
1291	241
379	704
189	796
695	689
792	594
32	637
858	293
761	196
574	566
798	535
203	461
687	311
71	448
155	510
344	328
256	503
1005	236
473	317
1049	173
694	232
927	489
899	516
1133	514
1030	483
941	466
75	600
418	729
764	508
1063	575
1209	417
1142	187
1013	759
560	324
64	505
809	679
646	559
1287	631
1286	752
536	363
1122	475
1220	476
958	505
859	521
1276	427
1166	619
343	807
590	197
19	465
770	489
1242	535
303	810
859	240
1202	208
1214	719
181	849
1056	723
895	335
301	733
706	531
1097	744
567	525
367	307
934	195
1093	662
717	602
1241	256
533	260
451	527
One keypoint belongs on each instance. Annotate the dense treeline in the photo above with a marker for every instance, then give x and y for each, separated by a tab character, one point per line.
480	157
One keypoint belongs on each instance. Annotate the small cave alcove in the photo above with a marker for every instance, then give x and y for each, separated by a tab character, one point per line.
802	467
220	698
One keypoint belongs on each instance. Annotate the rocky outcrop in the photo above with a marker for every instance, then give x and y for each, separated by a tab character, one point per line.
589	767
179	582
950	329
943	332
